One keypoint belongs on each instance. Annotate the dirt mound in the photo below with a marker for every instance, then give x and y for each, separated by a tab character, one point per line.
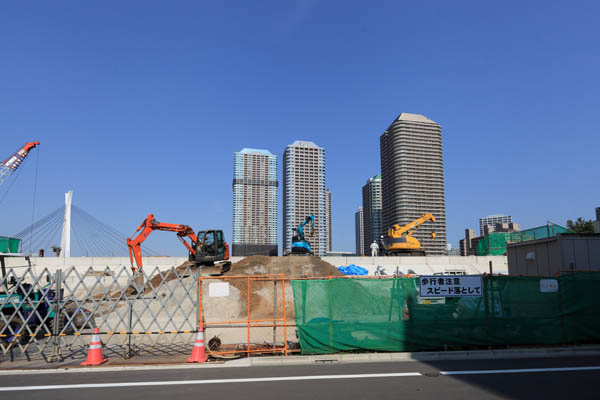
291	266
261	293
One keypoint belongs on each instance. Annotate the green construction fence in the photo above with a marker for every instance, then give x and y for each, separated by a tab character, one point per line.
9	245
494	244
340	315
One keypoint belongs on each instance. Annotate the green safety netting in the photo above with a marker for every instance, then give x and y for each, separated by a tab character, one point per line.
388	315
494	244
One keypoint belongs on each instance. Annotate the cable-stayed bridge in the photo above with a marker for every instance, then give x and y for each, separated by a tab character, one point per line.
70	231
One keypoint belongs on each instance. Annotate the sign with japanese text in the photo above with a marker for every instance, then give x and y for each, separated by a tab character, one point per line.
450	286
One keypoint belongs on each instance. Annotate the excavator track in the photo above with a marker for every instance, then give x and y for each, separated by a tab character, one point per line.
218	269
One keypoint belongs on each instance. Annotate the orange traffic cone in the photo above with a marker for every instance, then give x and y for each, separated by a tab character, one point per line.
95	356
405	312
198	353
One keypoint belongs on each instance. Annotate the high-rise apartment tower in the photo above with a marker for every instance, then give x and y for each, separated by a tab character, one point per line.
254	203
359	231
372	212
412	178
304	193
328	212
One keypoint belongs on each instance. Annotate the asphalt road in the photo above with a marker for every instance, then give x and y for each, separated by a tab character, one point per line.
557	378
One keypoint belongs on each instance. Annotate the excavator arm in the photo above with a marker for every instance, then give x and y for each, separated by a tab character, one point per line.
397	231
300	229
134	244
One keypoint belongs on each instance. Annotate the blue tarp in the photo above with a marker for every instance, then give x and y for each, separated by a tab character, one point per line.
353	270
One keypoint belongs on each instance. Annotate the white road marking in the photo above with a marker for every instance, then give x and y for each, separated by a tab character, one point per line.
289	378
518	371
207	381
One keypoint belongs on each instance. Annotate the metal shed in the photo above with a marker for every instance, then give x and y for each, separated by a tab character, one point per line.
548	257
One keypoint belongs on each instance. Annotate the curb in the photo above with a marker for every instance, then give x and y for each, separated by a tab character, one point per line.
428	356
573	351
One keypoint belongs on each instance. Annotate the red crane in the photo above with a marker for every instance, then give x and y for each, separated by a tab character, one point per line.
12	163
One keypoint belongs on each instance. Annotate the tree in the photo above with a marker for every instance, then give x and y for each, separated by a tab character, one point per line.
581	226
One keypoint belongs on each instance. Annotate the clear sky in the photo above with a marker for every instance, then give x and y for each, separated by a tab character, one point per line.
139	106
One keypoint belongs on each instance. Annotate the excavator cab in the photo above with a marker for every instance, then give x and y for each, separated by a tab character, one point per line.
211	248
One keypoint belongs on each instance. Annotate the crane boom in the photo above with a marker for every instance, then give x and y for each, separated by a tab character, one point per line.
12	163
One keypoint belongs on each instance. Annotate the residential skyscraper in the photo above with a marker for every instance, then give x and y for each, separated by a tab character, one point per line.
254	203
491	221
304	193
359	231
412	178
328	212
372	212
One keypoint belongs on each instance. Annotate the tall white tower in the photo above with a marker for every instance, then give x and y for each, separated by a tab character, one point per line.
65	239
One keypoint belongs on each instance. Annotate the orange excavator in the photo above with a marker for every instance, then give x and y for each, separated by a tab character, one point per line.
206	248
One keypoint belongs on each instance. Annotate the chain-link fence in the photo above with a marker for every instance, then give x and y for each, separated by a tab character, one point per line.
50	315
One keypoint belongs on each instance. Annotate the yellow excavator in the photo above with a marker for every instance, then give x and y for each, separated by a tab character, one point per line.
399	240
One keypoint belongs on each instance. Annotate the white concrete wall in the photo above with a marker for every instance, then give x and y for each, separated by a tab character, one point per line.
97	263
425	265
420	265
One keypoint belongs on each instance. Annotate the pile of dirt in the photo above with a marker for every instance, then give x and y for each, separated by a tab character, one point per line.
291	266
153	283
170	275
261	292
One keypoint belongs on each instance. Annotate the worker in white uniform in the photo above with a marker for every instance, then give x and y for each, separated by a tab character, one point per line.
374	249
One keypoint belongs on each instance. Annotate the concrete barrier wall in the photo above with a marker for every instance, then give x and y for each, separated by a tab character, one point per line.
98	263
418	265
426	265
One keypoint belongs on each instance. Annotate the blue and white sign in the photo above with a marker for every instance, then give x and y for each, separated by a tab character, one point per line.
450	286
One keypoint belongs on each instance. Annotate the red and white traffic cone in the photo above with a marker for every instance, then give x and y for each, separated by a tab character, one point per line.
198	353
95	356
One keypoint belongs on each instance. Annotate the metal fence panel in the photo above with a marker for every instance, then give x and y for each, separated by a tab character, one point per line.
26	311
52	315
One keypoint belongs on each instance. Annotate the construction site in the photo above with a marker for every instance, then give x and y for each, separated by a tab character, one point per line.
147	308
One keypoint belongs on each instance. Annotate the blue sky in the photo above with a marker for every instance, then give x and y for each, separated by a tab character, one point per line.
139	106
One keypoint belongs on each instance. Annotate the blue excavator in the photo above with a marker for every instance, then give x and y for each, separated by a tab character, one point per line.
301	246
